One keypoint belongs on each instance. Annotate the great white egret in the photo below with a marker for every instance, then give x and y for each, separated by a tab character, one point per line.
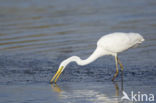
110	44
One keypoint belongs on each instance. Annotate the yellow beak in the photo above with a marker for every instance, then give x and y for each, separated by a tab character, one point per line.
56	76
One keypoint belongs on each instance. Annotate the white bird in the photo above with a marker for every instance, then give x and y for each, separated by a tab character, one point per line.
110	44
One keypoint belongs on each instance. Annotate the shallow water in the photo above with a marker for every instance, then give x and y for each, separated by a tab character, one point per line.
35	36
74	92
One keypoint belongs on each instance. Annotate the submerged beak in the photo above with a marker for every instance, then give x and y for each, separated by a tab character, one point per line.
56	76
56	88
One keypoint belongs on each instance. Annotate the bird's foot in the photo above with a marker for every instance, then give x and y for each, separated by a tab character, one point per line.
114	76
113	79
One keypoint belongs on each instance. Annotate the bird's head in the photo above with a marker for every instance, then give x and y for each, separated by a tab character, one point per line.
63	65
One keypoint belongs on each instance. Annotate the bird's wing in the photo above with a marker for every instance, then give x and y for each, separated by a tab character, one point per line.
115	43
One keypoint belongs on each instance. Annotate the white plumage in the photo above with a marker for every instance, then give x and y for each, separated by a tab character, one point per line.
119	42
110	44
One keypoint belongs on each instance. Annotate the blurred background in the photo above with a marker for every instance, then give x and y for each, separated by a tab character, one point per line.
36	35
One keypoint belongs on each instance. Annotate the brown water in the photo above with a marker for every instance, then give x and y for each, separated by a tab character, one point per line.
35	36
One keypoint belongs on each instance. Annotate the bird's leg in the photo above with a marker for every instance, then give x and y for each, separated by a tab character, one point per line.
121	66
117	71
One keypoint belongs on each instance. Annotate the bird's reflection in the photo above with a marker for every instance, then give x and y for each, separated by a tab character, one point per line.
93	93
56	88
118	91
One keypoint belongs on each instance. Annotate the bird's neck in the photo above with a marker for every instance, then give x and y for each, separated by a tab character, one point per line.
95	55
